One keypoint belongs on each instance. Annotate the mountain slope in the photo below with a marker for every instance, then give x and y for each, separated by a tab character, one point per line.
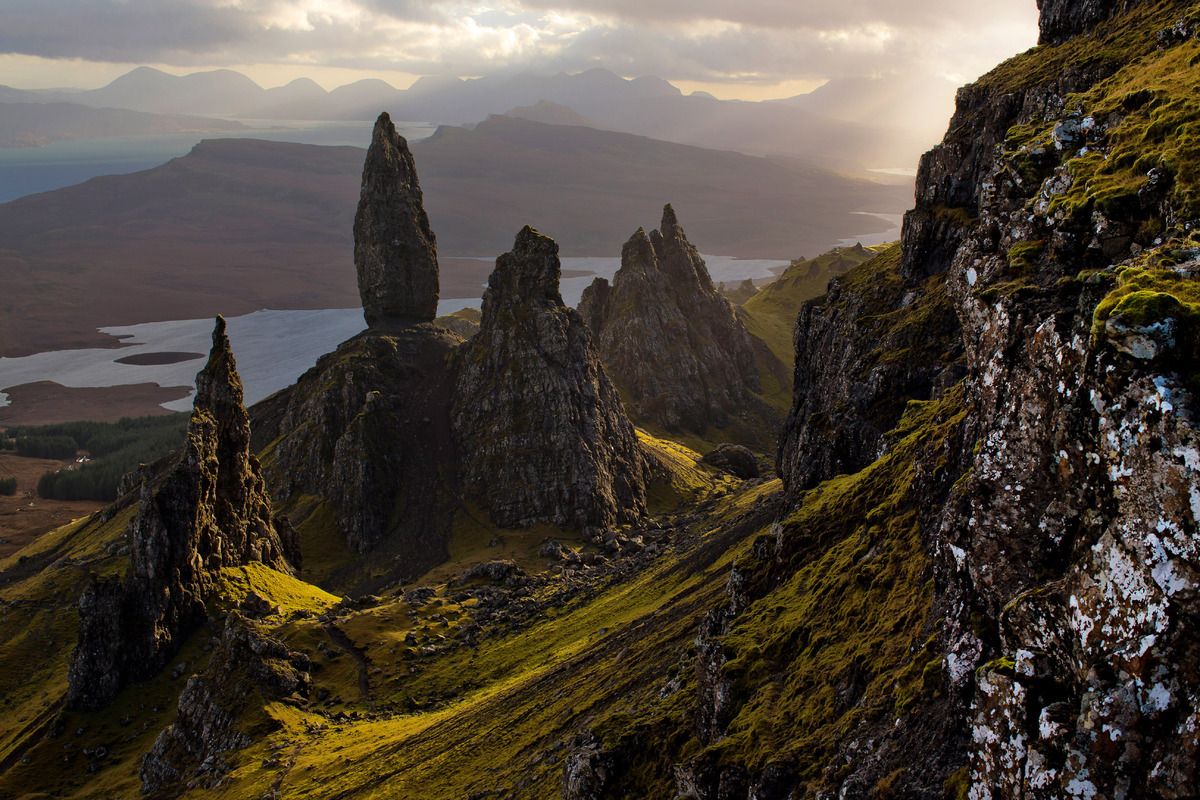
993	595
646	106
589	188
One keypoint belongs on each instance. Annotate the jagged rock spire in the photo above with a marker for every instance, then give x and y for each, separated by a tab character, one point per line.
529	273
669	338
541	433
679	257
395	251
207	511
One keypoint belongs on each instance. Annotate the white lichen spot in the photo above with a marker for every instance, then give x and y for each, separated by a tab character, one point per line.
1048	728
1079	787
1158	699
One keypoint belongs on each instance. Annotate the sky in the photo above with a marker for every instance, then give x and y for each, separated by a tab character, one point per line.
735	49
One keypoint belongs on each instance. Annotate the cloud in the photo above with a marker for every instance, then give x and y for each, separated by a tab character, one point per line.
693	40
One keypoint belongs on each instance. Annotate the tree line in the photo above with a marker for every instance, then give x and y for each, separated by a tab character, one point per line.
114	449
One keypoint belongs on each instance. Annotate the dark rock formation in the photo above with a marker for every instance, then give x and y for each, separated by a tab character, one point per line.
395	252
244	662
586	771
368	430
669	339
875	341
1066	556
541	433
207	511
734	459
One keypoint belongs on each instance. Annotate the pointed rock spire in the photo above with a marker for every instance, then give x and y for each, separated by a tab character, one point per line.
668	337
395	251
679	257
529	273
540	431
207	510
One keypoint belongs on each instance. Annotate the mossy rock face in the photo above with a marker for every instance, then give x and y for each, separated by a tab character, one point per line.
1145	308
862	351
1153	311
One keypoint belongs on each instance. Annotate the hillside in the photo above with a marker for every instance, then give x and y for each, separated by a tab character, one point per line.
590	188
973	577
770	313
38	124
239	225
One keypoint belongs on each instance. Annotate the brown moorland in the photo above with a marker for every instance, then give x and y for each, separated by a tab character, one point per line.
47	402
25	516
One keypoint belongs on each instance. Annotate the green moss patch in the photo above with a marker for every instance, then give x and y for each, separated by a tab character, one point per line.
1145	296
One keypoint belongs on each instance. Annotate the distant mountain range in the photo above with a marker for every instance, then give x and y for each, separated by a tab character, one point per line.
647	106
242	224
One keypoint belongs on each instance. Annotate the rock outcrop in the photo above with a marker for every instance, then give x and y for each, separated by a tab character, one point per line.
1062	19
368	430
541	434
674	345
1065	555
874	341
244	662
395	252
734	459
209	510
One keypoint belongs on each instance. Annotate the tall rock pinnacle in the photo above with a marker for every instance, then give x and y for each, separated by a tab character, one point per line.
207	511
541	433
395	252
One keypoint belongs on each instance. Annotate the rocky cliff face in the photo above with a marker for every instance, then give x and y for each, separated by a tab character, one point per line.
368	429
395	252
208	511
1065	557
1061	19
669	339
541	433
876	340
